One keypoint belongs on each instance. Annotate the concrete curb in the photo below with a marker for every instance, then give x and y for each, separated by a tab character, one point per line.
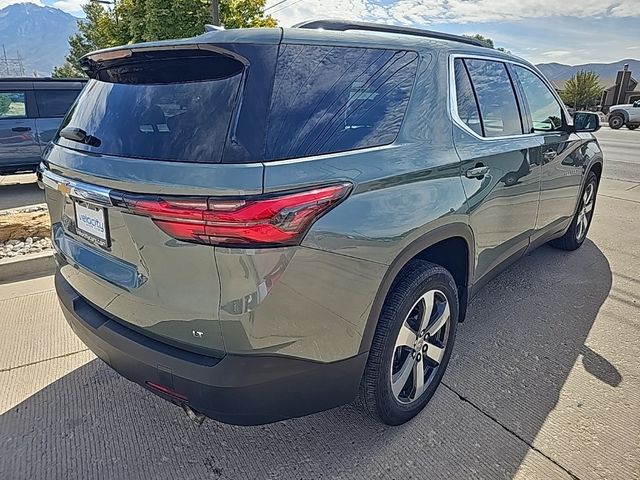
31	265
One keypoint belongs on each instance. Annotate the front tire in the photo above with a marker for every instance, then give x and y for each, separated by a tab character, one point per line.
616	122
412	343
576	234
633	127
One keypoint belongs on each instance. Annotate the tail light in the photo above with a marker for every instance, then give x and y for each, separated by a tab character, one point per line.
264	221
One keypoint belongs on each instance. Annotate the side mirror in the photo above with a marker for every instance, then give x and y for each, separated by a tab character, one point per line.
586	122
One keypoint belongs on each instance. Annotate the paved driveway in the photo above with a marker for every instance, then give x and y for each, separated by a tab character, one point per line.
19	191
544	383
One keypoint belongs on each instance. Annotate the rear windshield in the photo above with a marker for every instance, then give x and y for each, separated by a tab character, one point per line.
260	103
156	110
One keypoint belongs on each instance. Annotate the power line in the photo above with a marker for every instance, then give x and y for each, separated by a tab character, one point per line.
285	7
275	5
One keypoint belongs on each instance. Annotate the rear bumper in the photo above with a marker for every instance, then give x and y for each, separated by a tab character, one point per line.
237	389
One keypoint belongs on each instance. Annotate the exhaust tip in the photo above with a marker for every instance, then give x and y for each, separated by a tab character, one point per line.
194	415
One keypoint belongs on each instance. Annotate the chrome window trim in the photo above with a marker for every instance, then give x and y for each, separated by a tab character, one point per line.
453	99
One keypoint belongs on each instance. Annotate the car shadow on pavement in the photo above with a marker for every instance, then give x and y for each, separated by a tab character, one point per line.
16	195
525	332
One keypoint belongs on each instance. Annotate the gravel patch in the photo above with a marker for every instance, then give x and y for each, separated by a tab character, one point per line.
32	209
24	231
14	248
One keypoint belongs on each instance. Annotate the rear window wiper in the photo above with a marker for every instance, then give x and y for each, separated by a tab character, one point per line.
79	135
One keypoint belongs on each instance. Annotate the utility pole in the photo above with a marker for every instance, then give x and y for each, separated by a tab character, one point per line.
215	12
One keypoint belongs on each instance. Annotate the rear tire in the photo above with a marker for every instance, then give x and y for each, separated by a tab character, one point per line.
412	343
576	234
510	179
633	127
616	122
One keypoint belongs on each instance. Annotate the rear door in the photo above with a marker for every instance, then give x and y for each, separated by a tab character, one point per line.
560	154
18	140
634	112
500	177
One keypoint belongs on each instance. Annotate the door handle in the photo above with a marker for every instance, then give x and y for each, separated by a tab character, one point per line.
478	171
21	129
550	155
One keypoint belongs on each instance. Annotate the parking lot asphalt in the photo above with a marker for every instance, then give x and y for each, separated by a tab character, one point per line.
19	191
544	383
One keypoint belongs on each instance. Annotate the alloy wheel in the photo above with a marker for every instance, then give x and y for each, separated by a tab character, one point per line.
585	212
420	346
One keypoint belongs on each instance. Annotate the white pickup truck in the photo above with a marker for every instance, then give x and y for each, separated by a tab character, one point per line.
627	114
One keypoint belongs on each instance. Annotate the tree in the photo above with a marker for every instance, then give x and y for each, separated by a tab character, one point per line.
488	42
582	91
245	14
5	103
97	30
133	21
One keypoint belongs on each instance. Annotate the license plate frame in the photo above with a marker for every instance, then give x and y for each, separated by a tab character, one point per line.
89	221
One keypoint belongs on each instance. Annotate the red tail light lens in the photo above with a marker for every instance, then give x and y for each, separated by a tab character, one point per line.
277	220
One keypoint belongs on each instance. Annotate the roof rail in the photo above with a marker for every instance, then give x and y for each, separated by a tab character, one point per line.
344	25
43	79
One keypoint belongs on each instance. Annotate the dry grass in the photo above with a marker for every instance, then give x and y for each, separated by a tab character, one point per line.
18	226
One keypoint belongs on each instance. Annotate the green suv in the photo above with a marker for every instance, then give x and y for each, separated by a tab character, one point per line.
260	224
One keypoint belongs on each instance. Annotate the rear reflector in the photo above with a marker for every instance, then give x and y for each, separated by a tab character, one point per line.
263	221
166	390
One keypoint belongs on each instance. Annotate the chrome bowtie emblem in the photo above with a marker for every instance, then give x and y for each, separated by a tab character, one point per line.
64	188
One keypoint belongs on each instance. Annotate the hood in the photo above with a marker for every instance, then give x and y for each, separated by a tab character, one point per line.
625	105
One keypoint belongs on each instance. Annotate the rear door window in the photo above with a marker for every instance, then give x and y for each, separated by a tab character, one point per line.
496	98
13	105
331	99
55	103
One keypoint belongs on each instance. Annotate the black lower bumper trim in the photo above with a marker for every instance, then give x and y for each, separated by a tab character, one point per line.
237	389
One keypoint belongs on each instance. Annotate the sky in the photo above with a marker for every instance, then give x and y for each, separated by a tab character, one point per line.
542	31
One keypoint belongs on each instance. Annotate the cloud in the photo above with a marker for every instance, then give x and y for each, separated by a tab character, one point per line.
70	6
451	11
6	3
556	53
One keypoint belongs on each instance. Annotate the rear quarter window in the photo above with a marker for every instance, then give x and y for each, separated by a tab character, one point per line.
55	103
330	99
13	105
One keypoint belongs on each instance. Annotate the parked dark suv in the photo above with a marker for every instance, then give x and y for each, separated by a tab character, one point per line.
260	224
31	110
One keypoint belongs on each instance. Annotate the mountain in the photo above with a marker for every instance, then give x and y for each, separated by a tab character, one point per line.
39	35
559	73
